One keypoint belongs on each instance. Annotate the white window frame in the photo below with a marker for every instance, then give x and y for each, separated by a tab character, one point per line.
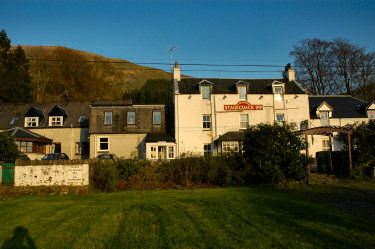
206	122
325	144
100	143
153	152
371	114
280	118
230	146
171	152
324	118
244	121
207	149
242	92
278	92
206	92
55	121
130	122
31	121
106	114
153	117
78	148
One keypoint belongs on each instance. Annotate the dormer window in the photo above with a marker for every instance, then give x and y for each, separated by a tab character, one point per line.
371	114
56	121
31	121
206	92
242	92
278	91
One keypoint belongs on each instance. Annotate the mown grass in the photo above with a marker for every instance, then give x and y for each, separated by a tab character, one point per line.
248	217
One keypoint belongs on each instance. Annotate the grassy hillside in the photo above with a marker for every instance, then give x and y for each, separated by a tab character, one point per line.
253	217
115	74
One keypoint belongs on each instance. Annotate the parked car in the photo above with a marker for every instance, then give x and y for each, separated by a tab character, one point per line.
107	156
56	156
24	157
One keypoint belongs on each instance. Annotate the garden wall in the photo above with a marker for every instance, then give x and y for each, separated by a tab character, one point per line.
52	175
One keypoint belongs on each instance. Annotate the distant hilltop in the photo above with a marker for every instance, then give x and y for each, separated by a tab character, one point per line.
59	66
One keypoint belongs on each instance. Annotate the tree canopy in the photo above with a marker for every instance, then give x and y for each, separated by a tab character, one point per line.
334	67
15	80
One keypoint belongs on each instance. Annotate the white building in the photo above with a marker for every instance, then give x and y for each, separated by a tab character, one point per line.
211	113
335	111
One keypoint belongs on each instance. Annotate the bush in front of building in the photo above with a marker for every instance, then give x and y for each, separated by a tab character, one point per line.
274	153
106	175
363	146
8	148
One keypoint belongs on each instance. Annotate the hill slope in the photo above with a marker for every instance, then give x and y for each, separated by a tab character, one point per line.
61	73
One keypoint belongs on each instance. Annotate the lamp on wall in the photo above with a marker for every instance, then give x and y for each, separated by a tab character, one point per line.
261	97
295	97
189	96
224	97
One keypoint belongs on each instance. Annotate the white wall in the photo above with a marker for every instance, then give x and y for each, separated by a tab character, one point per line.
189	109
315	141
51	175
123	145
68	137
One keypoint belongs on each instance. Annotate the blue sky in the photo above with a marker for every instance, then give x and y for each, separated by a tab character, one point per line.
215	32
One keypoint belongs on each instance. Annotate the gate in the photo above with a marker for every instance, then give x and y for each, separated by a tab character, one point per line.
8	173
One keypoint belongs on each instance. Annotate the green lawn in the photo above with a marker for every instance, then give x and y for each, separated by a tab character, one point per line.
253	217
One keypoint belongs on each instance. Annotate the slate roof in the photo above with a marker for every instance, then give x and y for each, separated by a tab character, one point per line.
232	136
343	106
155	137
18	132
228	86
74	111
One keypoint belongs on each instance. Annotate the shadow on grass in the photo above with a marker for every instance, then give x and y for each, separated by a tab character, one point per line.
20	240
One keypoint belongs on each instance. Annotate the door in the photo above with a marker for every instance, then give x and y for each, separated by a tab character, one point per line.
161	152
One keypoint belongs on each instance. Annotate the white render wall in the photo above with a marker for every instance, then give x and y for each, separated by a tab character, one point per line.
189	110
52	175
122	145
68	137
315	141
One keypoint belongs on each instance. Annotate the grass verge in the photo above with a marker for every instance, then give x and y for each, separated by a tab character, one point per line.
247	217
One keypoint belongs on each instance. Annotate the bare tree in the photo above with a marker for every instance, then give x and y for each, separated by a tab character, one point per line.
345	63
365	74
313	60
40	80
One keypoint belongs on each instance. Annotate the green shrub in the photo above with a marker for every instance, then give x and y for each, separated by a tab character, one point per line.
8	148
274	153
105	175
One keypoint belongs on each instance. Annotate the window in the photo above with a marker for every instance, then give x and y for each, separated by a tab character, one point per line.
278	89
78	148
13	121
324	118
81	119
24	146
325	144
207	149
206	92
108	118
56	121
244	121
57	148
31	121
207	122
280	118
230	146
104	144
153	152
242	91
131	118
371	114
170	152
156	117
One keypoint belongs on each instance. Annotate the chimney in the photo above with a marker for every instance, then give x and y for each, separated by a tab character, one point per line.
176	72
289	73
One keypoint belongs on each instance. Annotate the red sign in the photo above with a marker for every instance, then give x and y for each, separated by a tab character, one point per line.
242	105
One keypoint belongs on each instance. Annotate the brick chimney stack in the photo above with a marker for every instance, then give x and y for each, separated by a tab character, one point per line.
176	72
289	73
